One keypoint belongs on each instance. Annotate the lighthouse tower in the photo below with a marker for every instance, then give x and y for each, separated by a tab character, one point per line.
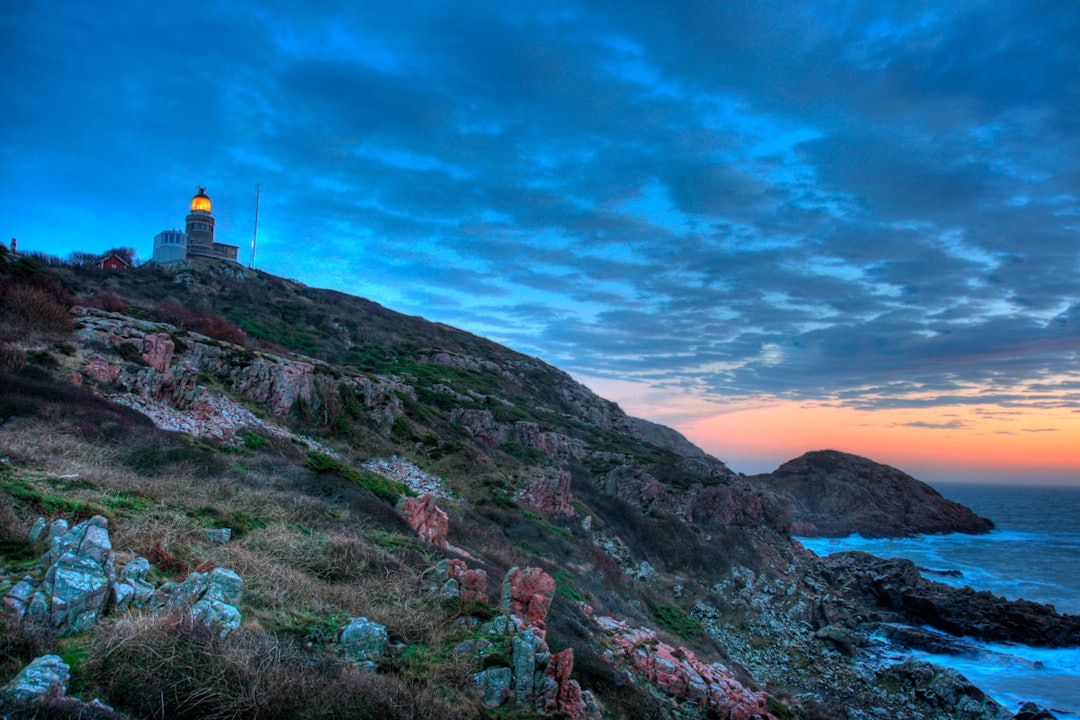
200	226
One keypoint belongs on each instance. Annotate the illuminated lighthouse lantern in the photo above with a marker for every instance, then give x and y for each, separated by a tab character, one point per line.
200	226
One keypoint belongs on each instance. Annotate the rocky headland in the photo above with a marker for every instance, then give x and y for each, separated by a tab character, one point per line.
835	494
357	513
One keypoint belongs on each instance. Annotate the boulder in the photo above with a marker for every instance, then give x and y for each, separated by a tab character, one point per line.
1031	711
211	598
362	640
45	677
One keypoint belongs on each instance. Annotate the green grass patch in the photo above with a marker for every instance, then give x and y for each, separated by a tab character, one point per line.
564	586
381	487
675	620
47	503
128	503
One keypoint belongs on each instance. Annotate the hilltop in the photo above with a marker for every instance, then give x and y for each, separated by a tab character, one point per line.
306	504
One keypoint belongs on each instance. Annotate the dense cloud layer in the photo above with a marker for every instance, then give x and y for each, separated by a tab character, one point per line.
870	202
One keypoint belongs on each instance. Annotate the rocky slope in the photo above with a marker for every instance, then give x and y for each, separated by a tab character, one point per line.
368	486
833	494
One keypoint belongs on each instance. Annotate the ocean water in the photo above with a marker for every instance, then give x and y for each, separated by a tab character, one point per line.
1033	554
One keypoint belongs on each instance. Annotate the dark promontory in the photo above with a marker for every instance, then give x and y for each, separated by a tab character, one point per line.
833	494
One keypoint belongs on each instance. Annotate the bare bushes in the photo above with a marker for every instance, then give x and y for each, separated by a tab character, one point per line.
36	307
173	667
200	321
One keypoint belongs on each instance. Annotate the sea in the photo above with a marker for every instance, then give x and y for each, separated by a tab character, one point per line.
1034	553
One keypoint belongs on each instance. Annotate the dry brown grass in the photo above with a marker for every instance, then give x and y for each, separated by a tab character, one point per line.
172	667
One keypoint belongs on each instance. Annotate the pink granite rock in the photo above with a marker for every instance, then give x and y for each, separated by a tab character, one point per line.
679	673
527	595
427	519
549	495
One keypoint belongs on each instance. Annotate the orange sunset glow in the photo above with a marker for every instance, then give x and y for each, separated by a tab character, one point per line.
972	442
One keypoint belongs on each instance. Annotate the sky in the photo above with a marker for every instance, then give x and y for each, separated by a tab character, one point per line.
776	226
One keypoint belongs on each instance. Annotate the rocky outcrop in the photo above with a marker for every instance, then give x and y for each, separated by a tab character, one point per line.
452	578
678	672
548	495
535	678
939	693
736	502
76	587
169	375
897	587
212	598
833	494
527	594
482	425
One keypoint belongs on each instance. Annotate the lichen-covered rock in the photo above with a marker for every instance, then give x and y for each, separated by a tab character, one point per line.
363	640
535	678
212	598
134	575
494	686
77	584
45	677
527	595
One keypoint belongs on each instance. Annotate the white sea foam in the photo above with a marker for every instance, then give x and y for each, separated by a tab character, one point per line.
1034	554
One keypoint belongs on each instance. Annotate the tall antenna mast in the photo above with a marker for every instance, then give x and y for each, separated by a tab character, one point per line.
255	237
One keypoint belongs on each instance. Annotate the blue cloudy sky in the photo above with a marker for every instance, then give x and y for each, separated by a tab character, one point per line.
869	210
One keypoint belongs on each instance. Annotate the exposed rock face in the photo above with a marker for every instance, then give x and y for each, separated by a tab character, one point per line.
833	494
895	585
737	503
453	578
527	595
172	377
680	674
483	426
45	677
549	495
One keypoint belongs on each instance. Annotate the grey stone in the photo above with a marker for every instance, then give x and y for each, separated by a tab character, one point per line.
76	589
218	536
122	595
37	531
225	586
362	639
46	676
136	569
216	614
493	686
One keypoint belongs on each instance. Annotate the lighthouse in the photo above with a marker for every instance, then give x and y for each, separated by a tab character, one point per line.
200	226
